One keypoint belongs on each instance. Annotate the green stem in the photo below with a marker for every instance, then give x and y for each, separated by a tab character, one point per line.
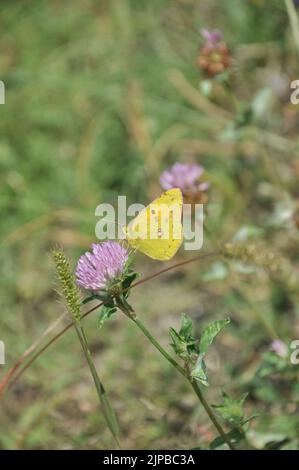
182	371
211	415
108	411
294	21
158	346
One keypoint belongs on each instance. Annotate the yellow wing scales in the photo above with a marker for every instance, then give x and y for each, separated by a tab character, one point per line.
157	230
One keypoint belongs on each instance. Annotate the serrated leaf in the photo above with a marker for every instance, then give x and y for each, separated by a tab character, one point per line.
183	343
199	372
232	409
209	334
179	346
106	312
186	327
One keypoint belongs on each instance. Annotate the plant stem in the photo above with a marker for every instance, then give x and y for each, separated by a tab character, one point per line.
211	415
158	346
294	21
70	292
182	371
107	409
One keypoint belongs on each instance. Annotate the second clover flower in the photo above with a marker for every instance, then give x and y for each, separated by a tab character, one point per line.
214	56
186	177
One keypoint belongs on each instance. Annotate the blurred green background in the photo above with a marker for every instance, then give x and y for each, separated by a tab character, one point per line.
101	96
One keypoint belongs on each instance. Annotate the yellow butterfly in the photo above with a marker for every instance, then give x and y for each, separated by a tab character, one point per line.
157	230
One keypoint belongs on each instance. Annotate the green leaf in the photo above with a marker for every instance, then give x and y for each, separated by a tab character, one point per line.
125	286
106	312
232	409
250	418
199	372
109	413
234	436
209	334
186	327
276	445
183	343
178	344
129	279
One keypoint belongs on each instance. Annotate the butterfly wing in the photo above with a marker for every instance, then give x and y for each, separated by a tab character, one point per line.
157	230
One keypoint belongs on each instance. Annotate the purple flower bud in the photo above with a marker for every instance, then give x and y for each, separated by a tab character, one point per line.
214	36
96	270
279	347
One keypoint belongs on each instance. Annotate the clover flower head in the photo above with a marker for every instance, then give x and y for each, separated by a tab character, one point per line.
279	347
185	177
214	56
96	270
